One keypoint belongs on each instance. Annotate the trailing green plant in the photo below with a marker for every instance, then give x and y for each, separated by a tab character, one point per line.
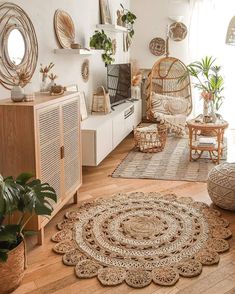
27	197
207	78
128	18
100	40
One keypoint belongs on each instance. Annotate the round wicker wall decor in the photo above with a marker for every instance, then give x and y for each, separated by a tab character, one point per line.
157	46
178	31
141	238
64	28
14	19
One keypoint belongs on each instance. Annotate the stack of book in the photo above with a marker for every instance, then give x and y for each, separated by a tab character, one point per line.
207	142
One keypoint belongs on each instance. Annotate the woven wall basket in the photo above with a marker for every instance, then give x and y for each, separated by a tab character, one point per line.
12	271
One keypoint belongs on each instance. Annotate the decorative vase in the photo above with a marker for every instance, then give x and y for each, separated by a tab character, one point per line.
17	94
43	85
205	108
209	115
135	92
212	112
12	271
50	85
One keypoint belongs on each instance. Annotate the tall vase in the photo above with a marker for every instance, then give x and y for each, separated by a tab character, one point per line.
212	111
205	110
43	85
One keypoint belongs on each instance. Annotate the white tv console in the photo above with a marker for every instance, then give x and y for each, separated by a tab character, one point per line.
102	133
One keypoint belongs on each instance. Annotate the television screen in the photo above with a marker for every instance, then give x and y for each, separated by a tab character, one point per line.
119	82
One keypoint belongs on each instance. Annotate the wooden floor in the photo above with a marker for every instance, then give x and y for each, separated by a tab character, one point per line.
46	273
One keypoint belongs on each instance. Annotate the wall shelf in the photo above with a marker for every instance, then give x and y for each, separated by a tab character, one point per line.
111	28
73	51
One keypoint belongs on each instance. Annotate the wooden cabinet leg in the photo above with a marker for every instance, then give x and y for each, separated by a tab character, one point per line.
41	237
75	198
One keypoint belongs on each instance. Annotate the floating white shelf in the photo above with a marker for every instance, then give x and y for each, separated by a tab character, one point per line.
73	51
111	28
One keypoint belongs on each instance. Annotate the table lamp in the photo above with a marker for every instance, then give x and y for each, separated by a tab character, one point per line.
230	37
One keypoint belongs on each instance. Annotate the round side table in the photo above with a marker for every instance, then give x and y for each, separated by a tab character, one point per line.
196	129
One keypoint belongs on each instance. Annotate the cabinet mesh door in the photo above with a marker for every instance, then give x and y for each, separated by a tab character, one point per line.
71	136
49	147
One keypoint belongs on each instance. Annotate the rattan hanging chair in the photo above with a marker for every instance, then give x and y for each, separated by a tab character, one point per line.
166	79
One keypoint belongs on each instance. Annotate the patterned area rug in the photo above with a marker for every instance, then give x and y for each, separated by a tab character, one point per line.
170	164
141	238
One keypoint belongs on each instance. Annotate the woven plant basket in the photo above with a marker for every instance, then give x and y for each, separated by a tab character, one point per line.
12	271
101	101
152	140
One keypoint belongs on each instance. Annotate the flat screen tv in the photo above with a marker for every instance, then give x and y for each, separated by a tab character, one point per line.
119	82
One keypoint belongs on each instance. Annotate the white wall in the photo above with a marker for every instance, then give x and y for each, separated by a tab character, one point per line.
152	21
85	14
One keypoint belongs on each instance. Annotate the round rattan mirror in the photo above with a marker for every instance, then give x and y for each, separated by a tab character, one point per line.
18	46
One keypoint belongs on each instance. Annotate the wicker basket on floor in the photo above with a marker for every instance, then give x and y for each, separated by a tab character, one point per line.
12	271
150	139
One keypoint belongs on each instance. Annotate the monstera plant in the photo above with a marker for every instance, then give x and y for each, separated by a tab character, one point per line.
20	199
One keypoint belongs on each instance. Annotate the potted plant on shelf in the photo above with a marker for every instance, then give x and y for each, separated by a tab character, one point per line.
128	19
23	197
209	81
101	41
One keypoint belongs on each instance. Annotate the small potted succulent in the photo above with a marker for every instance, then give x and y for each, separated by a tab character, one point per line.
100	40
20	199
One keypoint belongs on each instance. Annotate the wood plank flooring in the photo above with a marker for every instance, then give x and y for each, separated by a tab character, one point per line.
46	274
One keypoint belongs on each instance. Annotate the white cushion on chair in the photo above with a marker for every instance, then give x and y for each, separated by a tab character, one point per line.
170	110
169	104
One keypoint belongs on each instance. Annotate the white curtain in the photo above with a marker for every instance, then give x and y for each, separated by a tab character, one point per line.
208	27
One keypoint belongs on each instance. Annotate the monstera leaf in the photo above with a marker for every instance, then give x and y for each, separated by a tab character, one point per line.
29	197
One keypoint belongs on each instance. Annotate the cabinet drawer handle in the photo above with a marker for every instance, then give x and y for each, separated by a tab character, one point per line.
62	152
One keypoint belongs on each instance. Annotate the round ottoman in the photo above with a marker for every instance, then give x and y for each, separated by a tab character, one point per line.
221	185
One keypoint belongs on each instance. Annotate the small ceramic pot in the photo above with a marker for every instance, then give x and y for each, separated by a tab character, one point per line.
17	94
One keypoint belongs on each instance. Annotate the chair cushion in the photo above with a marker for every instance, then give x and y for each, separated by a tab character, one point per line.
169	105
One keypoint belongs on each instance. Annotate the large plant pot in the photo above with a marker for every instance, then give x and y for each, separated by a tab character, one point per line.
12	271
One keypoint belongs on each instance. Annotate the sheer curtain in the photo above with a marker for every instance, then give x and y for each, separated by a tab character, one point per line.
208	27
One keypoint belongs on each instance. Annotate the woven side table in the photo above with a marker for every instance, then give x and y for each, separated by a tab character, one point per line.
221	185
150	138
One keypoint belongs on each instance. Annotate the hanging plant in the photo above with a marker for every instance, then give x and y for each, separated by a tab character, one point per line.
100	40
128	19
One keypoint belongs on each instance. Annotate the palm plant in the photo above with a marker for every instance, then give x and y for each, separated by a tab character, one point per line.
26	196
208	79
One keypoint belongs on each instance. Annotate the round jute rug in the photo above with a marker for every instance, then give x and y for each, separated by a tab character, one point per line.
140	238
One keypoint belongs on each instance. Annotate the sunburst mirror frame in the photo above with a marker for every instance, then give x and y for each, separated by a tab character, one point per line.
13	17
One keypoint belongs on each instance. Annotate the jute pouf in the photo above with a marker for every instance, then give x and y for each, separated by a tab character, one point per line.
221	185
140	238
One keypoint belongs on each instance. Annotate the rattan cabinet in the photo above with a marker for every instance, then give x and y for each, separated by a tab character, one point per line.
43	138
